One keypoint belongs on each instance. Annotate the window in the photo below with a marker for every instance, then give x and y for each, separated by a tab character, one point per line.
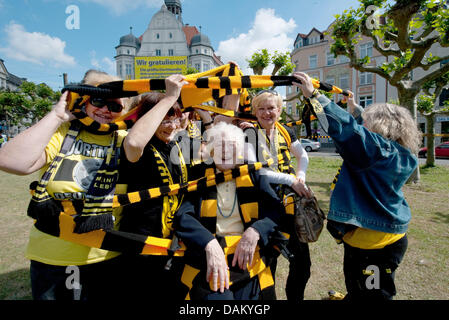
170	52
365	101
344	81
157	35
366	50
206	66
120	72
313	61
158	52
366	78
330	59
289	108
196	51
330	80
128	69
198	66
171	35
127	51
343	59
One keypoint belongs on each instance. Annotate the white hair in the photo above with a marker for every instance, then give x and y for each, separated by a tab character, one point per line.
227	132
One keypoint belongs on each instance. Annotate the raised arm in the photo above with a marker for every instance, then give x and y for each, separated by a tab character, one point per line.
144	129
25	153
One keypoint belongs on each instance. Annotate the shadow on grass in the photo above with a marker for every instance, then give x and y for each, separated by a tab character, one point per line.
441	217
15	285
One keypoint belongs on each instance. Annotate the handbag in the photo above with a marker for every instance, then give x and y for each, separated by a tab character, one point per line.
308	217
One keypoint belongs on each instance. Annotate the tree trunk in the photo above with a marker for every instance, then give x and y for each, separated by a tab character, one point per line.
430	121
407	98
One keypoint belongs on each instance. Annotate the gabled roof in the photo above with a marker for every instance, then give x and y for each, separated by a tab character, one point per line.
314	29
189	31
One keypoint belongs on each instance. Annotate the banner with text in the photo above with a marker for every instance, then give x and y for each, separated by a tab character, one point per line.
159	67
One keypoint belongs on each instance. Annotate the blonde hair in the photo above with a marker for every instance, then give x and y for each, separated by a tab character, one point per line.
257	100
393	122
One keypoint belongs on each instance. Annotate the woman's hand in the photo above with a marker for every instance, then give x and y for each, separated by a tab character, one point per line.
244	253
61	109
217	268
305	84
351	102
174	84
300	188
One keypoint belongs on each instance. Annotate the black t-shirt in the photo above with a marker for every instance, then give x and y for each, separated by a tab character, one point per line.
145	217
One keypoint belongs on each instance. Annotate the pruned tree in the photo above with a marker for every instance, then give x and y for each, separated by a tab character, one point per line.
428	108
404	31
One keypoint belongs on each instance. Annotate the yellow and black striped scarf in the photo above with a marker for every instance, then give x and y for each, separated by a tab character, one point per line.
202	87
96	211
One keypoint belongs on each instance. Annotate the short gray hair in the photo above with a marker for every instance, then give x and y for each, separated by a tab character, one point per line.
393	122
230	131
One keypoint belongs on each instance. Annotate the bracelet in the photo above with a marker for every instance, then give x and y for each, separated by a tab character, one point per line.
315	93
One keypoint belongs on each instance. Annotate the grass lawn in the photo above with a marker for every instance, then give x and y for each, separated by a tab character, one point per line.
423	273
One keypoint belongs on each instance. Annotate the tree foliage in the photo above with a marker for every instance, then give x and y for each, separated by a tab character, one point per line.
27	105
404	31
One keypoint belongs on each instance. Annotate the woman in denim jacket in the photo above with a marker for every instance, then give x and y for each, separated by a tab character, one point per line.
368	211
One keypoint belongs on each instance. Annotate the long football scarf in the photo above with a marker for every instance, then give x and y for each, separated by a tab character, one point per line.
202	87
96	210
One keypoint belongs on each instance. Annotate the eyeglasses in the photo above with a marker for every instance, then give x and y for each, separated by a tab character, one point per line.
101	102
273	92
166	123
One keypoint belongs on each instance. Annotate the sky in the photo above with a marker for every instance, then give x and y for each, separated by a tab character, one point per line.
40	39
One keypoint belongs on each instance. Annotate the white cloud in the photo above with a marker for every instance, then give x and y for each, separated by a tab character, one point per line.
35	47
268	32
105	64
120	6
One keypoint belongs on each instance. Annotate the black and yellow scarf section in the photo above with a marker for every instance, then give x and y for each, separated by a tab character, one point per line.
201	88
95	211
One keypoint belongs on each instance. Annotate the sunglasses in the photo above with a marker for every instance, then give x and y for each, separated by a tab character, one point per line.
101	102
273	92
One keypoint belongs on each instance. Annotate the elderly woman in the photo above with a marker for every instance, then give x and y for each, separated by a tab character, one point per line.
46	144
237	217
270	139
368	211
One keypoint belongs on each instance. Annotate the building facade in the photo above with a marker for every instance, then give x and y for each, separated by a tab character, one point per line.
8	80
311	54
166	36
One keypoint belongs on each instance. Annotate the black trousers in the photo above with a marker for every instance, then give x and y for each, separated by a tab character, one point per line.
369	274
91	282
299	269
144	277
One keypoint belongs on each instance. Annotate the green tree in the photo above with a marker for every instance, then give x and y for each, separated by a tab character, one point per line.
427	107
403	31
27	105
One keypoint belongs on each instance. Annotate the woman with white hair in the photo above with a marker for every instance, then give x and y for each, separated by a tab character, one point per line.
244	208
368	211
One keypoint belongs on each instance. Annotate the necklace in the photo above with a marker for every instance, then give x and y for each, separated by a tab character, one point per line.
232	209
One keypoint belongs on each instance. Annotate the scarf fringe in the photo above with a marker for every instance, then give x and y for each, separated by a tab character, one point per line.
87	223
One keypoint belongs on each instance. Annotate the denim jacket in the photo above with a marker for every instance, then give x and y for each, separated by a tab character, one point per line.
368	191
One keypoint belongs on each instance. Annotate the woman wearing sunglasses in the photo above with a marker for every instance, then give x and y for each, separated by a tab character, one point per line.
270	139
34	150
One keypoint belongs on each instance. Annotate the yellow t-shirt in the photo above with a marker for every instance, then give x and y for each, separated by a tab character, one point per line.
370	239
69	182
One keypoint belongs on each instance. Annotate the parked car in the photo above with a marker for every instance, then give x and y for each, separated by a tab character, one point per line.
441	150
310	145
